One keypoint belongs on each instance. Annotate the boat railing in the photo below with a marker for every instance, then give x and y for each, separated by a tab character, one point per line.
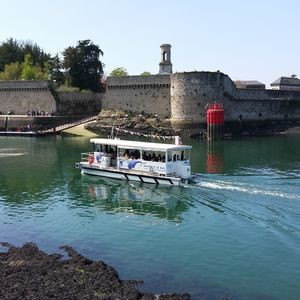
85	155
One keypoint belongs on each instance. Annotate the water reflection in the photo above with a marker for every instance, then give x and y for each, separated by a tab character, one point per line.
215	157
139	198
275	156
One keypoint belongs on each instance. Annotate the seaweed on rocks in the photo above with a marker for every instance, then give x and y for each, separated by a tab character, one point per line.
135	122
29	273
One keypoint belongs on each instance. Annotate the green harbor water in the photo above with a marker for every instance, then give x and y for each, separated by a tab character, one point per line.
234	234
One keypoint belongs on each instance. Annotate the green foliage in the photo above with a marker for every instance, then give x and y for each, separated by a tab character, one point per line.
11	71
118	72
66	88
12	51
26	71
38	56
31	71
83	66
145	73
54	67
23	60
26	60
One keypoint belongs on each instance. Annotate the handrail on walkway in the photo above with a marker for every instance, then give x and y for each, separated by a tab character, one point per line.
53	130
70	125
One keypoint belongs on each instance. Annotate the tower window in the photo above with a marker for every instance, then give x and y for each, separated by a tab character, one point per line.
165	56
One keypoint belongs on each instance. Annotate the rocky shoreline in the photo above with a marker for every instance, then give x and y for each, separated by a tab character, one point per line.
154	125
29	273
135	122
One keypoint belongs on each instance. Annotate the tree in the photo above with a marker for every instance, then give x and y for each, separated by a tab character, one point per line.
55	70
12	51
118	72
31	71
11	71
38	56
145	73
83	66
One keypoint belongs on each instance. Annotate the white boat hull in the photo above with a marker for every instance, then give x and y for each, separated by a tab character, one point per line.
125	175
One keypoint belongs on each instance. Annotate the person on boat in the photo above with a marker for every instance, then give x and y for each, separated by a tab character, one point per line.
145	155
153	157
126	154
136	154
111	153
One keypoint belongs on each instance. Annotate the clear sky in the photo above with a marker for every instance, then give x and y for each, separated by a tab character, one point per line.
245	39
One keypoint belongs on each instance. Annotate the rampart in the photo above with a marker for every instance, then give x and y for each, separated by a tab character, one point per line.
150	94
78	103
20	97
191	92
183	97
262	105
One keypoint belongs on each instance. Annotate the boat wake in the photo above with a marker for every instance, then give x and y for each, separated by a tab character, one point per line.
245	188
11	152
4	155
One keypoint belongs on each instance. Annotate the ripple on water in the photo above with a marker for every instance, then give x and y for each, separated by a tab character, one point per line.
236	232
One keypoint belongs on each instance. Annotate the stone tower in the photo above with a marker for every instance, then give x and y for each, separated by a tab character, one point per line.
165	65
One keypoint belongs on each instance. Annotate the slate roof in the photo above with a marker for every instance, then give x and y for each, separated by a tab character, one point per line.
249	84
286	81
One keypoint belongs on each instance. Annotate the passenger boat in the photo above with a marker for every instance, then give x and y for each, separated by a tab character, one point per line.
156	163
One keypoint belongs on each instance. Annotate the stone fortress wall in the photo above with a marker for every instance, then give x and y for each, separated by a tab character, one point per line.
78	103
184	96
22	96
191	92
148	94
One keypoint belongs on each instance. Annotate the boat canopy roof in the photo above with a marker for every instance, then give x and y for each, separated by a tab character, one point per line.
140	145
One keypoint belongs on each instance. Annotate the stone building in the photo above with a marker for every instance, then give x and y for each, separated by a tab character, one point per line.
249	84
286	83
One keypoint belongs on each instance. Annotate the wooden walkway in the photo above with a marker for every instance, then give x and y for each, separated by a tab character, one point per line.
51	131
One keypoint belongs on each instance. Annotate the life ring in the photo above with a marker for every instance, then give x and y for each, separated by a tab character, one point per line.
91	159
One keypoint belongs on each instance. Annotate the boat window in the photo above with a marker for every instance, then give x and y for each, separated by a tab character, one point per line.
157	156
178	156
106	149
130	153
97	148
112	152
